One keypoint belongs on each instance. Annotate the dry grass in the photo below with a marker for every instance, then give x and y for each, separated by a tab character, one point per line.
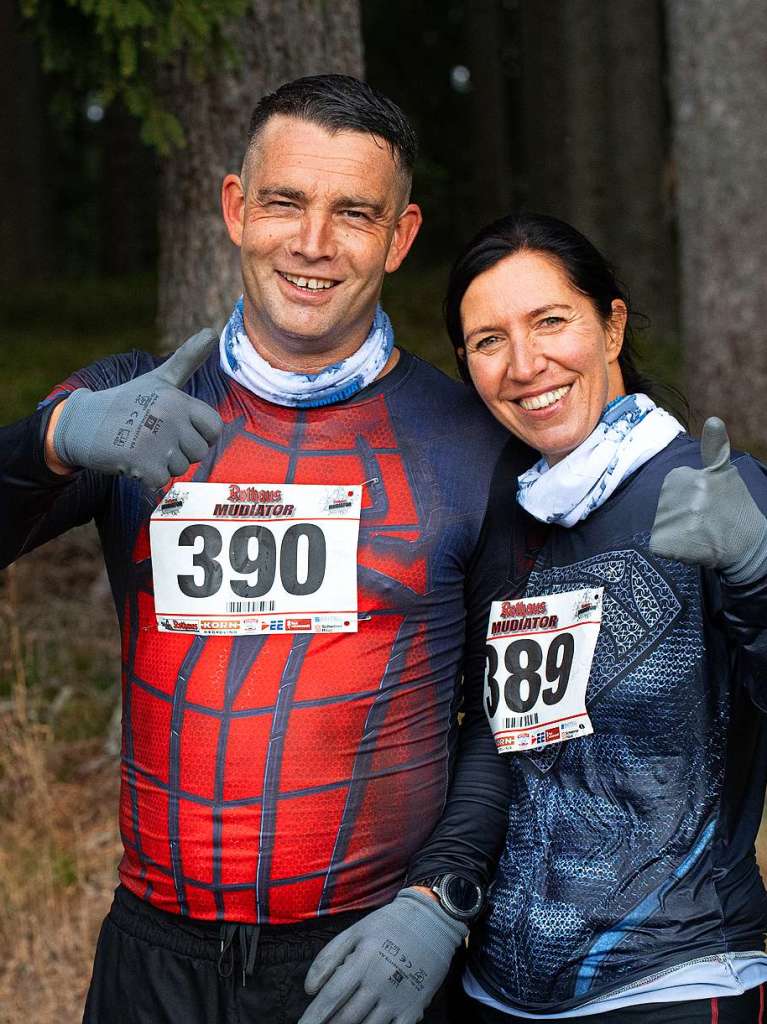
58	789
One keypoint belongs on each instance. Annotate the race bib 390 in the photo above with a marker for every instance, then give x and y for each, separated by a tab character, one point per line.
539	654
229	559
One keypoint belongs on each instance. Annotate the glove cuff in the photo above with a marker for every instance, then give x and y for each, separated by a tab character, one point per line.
75	429
447	933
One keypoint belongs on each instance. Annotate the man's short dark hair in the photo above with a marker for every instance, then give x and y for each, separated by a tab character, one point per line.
340	103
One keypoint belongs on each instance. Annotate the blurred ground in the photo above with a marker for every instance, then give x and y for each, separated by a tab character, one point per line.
58	787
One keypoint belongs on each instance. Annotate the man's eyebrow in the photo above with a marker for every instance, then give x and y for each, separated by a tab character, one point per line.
340	203
267	191
357	203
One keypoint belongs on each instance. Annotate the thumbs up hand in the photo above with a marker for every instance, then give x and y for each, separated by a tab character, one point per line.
708	517
146	428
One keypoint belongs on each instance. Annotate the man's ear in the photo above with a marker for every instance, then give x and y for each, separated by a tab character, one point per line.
233	206
407	227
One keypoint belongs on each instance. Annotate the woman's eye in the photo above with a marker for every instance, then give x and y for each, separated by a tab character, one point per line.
482	344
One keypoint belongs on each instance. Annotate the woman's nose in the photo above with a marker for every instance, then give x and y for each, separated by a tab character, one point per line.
525	360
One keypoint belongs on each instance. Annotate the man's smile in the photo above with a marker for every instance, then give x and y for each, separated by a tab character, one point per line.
311	284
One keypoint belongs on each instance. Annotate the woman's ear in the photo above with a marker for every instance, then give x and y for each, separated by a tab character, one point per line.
616	328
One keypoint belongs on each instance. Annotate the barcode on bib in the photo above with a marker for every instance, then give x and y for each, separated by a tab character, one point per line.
522	722
249	606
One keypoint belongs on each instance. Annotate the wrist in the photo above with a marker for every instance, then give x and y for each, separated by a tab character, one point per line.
460	897
425	890
445	931
52	460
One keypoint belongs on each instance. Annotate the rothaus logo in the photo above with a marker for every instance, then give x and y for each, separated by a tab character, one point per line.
254	503
523	615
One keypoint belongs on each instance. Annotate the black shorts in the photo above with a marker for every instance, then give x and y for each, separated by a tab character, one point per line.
749	1008
157	968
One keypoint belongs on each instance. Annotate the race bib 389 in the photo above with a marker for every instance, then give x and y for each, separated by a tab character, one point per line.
229	559
539	653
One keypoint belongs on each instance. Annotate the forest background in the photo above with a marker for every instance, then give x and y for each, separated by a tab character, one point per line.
639	121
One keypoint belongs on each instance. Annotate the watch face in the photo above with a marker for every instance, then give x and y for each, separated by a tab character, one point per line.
462	895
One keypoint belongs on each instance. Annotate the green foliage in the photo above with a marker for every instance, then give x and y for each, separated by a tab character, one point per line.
111	48
49	329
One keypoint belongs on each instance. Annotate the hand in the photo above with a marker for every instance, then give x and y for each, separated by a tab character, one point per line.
146	428
386	968
708	517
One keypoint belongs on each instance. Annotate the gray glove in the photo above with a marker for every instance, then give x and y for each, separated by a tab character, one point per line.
386	967
708	517
146	428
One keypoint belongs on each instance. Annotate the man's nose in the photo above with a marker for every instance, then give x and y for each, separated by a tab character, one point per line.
315	238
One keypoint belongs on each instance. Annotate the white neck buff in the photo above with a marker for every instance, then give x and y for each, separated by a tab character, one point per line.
334	383
630	431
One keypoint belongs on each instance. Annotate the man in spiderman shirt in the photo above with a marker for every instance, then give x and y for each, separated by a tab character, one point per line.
288	514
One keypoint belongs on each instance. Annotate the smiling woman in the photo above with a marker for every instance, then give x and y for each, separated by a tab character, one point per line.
541	357
628	889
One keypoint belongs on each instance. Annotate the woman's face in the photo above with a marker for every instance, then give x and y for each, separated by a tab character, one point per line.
539	354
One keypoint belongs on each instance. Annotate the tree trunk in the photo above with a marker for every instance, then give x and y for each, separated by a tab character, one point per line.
25	251
639	215
596	139
199	275
586	148
719	93
128	197
544	114
492	164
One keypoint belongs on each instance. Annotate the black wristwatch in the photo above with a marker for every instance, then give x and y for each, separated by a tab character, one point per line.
458	896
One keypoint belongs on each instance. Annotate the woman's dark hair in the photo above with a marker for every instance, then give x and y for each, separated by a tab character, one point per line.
584	265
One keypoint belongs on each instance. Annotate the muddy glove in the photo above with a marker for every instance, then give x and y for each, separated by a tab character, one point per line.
708	517
386	967
146	428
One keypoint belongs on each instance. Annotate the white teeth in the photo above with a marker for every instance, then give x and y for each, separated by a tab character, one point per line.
542	401
312	283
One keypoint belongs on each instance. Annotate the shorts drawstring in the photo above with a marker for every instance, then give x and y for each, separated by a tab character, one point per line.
248	934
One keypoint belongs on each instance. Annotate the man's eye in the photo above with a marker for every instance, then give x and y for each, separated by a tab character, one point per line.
551	321
355	214
283	204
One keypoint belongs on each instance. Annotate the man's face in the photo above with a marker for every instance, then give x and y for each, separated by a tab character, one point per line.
319	219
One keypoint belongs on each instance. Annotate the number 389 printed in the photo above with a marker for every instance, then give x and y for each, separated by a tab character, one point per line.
524	684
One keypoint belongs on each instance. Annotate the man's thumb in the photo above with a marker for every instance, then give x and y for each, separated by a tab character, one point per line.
188	357
714	444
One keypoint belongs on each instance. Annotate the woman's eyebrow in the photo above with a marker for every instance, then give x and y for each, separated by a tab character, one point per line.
547	309
481	330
